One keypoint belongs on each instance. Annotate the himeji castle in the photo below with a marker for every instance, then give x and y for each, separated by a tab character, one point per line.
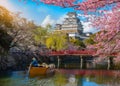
72	27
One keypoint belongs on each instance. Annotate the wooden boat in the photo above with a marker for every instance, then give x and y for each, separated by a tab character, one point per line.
38	71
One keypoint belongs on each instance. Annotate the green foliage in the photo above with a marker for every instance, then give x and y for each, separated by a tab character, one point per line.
40	35
77	42
48	26
56	41
90	40
80	43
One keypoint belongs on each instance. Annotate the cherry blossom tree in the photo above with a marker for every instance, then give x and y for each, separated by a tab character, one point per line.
106	20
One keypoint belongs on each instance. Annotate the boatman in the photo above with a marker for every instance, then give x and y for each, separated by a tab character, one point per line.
34	62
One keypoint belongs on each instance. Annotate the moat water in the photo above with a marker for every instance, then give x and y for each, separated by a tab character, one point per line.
63	77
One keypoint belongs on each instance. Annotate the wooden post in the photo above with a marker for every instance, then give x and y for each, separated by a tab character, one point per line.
108	67
58	65
94	63
81	62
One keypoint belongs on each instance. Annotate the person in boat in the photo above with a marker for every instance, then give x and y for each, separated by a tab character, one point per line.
34	62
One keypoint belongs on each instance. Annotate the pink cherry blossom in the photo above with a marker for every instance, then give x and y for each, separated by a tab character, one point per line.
107	22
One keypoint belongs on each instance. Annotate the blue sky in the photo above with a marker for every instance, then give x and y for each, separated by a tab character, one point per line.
41	14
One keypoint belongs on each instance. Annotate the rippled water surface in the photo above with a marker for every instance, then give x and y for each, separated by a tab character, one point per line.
63	78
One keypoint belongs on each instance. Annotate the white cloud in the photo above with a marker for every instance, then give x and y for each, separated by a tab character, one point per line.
61	19
86	16
89	17
48	20
7	4
88	27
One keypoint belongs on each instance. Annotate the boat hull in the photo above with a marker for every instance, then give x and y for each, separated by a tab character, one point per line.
38	71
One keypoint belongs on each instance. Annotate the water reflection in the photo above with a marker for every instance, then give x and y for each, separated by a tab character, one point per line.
95	77
72	81
64	78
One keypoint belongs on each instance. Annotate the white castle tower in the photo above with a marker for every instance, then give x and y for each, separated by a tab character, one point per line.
71	26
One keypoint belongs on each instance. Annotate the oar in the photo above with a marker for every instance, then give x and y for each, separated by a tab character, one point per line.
29	69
